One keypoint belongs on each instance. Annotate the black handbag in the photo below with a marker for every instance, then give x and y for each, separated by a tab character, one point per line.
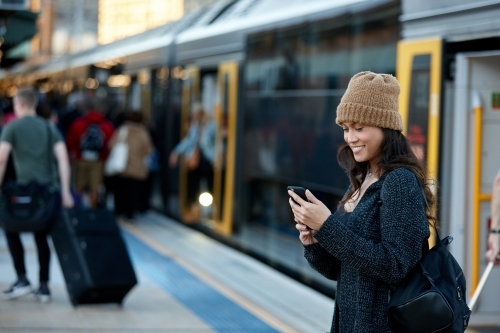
432	296
31	207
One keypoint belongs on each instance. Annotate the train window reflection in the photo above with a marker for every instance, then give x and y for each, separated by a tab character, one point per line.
293	80
418	109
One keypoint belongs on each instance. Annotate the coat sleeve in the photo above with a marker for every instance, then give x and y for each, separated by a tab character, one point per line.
403	228
188	143
322	261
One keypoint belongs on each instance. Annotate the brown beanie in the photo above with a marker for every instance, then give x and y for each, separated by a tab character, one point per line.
371	99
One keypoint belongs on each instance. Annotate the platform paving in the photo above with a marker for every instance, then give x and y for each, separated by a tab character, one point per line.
156	305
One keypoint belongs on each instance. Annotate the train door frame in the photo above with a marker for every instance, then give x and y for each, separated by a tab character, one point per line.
225	116
225	164
407	51
468	153
190	93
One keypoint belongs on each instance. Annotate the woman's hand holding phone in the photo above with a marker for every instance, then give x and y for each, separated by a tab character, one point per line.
306	234
301	192
311	211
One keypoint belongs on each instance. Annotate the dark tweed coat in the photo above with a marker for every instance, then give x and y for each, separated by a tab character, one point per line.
379	244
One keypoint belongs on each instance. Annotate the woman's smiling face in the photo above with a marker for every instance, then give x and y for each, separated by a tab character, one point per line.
365	141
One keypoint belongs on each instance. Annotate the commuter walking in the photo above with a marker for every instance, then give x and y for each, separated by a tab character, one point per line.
376	235
87	141
493	253
27	139
126	183
198	148
74	111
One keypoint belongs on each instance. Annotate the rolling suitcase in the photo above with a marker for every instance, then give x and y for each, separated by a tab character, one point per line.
93	257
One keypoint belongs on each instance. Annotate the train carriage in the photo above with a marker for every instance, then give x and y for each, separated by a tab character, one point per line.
448	69
278	74
271	77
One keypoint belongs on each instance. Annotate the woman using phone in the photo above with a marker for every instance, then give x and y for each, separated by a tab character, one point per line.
375	236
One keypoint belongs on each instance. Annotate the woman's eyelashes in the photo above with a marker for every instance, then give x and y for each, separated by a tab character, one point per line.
357	129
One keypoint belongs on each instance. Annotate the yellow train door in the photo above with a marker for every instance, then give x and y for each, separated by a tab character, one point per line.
190	94
226	111
419	74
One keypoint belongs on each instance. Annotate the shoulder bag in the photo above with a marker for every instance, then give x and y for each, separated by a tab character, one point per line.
31	207
432	297
118	157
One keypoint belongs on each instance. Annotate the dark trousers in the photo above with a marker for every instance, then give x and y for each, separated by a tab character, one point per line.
145	191
204	171
17	253
126	193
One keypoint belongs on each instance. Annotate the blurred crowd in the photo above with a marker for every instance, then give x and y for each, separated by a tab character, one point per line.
90	128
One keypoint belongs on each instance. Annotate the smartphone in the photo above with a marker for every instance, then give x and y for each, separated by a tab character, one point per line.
300	191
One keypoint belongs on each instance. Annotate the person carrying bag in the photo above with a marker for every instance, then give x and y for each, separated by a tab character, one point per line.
35	199
30	207
373	239
118	157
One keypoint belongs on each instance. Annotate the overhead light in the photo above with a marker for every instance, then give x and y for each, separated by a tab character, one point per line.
91	83
119	80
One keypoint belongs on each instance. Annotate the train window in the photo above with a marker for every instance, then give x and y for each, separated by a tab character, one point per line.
293	79
418	110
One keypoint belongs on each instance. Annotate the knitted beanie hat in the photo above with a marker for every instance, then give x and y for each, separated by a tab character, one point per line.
371	99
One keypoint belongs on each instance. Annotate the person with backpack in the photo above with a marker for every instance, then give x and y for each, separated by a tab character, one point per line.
87	142
375	237
28	140
493	253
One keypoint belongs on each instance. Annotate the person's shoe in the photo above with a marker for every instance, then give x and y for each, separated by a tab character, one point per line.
20	288
43	293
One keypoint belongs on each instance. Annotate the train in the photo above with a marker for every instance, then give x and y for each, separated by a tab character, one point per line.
271	76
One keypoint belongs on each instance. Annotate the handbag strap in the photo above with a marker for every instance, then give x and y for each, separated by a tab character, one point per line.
49	151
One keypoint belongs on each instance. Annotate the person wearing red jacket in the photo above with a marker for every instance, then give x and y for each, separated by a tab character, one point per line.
87	142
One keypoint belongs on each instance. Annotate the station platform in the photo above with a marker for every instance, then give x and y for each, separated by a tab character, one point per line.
188	282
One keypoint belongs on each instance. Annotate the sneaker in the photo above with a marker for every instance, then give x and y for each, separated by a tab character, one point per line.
43	293
20	288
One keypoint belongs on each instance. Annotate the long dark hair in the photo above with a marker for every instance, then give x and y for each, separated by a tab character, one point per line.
395	153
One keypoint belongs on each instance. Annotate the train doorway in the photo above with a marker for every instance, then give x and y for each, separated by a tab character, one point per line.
217	92
476	160
226	112
419	73
188	209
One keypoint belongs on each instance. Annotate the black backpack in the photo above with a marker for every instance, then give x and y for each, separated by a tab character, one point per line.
432	296
92	142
